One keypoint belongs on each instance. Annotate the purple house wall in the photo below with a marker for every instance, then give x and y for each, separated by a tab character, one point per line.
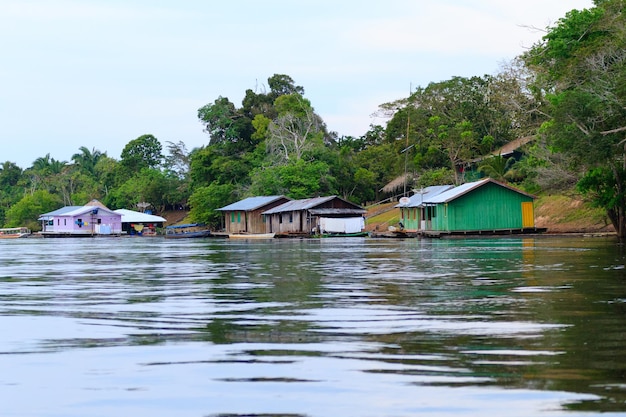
82	221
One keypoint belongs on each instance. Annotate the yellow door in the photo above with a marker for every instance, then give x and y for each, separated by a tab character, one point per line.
528	216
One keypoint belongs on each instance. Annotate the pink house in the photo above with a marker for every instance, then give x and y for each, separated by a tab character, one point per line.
92	219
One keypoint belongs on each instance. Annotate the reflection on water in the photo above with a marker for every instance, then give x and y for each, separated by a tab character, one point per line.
350	327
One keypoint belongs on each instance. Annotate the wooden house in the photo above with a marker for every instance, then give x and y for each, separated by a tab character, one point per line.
245	216
484	206
318	215
92	219
414	216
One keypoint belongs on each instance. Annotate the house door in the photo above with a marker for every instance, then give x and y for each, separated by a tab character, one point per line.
528	216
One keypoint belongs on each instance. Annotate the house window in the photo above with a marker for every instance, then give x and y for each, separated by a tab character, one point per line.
238	217
232	217
64	222
280	218
99	221
290	217
58	222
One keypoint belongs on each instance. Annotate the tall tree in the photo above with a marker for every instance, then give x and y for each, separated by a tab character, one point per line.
581	70
295	130
140	153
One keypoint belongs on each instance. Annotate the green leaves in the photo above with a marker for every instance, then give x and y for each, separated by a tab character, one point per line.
581	65
140	153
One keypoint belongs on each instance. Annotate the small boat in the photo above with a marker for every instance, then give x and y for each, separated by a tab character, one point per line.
251	235
354	234
14	232
184	231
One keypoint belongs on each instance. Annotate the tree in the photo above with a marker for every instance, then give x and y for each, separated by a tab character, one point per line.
10	191
458	142
227	126
496	167
140	153
281	84
205	200
26	211
297	179
10	174
581	70
178	160
87	160
295	130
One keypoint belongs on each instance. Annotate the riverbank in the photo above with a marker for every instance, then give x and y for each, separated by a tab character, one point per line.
559	214
570	214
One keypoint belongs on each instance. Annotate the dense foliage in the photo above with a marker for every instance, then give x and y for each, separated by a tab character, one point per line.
564	101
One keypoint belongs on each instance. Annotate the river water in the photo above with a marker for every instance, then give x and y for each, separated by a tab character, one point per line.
330	327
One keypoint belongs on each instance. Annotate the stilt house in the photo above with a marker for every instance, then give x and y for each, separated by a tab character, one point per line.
414	215
484	206
245	216
315	216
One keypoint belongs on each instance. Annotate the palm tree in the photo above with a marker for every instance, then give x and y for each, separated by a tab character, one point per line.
86	160
41	163
496	167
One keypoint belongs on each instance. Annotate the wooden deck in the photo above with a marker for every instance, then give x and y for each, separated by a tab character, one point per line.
496	232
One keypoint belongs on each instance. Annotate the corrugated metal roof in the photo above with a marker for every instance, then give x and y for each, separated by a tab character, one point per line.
71	211
251	203
337	211
297	205
457	192
428	192
87	209
58	212
130	216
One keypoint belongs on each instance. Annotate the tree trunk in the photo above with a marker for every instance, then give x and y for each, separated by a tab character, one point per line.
618	220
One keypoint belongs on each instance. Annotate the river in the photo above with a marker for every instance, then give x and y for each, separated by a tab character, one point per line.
328	327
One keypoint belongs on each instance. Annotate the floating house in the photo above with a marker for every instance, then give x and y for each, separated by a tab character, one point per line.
135	223
480	207
245	216
320	215
92	219
414	215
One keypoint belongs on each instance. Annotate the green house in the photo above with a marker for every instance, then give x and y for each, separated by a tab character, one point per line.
484	206
413	214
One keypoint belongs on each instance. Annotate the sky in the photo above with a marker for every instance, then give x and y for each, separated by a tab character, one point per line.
100	73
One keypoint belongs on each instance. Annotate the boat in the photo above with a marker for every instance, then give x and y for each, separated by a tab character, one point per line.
14	232
353	234
185	231
251	235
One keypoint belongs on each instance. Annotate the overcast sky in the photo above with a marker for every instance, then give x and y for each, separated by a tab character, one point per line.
100	73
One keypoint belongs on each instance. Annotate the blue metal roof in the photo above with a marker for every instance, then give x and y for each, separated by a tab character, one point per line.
418	198
74	211
59	212
251	203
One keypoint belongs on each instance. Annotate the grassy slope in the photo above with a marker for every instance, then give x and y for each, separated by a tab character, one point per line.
570	214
